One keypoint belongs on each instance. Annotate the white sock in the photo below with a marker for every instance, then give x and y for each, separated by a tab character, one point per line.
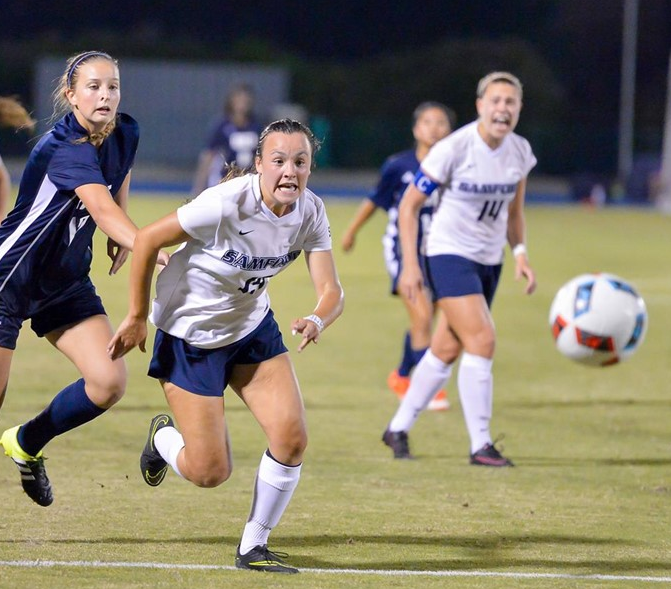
476	384
169	442
273	488
428	377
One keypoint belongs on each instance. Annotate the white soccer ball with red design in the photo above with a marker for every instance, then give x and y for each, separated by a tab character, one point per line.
598	319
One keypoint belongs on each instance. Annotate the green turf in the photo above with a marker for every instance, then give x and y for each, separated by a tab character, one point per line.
591	494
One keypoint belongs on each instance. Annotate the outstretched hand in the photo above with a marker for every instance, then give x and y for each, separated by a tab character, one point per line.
131	333
523	270
117	254
308	329
410	282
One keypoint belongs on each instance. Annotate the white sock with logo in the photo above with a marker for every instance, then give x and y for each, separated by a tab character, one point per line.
428	377
273	489
476	384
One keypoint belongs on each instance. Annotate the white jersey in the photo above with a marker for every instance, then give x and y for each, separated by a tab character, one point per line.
477	184
213	291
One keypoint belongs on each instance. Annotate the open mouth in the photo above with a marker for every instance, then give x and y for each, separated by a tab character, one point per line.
502	120
288	188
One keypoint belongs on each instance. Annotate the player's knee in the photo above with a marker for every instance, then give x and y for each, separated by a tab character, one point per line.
291	448
211	474
107	389
484	345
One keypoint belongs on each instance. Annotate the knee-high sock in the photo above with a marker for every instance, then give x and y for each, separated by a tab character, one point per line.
69	409
273	488
408	357
429	377
476	384
168	442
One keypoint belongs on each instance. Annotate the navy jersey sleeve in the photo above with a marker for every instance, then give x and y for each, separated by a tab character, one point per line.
74	165
383	195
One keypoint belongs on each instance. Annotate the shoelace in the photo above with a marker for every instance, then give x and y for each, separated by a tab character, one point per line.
270	555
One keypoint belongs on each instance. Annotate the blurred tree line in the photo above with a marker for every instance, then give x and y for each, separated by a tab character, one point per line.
569	65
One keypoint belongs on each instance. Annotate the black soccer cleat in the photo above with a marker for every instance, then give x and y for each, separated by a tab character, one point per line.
398	442
260	558
34	479
488	455
152	465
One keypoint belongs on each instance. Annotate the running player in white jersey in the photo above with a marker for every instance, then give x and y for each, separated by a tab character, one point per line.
480	171
216	328
77	178
431	122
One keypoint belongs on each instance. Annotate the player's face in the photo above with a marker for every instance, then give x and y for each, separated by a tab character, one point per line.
96	94
498	111
242	103
284	168
431	126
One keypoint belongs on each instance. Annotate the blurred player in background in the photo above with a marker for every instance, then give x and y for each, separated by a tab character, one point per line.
431	121
480	172
76	179
12	114
232	139
216	327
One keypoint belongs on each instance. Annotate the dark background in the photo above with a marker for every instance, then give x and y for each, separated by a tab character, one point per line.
363	66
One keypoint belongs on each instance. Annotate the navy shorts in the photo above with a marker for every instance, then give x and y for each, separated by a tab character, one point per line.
454	276
207	371
74	304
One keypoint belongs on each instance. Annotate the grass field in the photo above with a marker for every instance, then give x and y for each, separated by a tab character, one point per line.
588	505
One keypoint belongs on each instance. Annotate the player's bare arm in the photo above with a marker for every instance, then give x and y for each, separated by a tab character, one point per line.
411	281
148	244
516	235
330	298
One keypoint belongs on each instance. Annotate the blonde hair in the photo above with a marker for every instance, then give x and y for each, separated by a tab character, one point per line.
68	81
492	77
12	114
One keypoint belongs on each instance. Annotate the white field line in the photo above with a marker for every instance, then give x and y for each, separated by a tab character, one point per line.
372	572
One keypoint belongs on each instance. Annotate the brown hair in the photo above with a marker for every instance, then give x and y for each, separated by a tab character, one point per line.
13	114
68	81
289	126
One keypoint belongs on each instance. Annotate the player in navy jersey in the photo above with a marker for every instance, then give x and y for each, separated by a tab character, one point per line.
12	114
216	328
232	139
76	179
431	122
480	172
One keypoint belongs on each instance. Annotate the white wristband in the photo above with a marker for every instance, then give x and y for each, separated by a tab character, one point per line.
317	321
520	248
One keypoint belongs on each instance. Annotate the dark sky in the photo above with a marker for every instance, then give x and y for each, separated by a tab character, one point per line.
319	29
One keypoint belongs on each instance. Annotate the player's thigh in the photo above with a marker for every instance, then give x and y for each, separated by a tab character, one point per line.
471	321
271	391
85	344
201	421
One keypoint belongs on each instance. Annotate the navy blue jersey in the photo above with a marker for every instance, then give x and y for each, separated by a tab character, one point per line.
233	143
397	172
46	240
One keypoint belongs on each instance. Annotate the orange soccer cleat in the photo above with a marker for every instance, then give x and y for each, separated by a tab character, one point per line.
398	384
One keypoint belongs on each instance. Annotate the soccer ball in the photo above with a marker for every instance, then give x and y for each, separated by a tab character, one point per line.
598	319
